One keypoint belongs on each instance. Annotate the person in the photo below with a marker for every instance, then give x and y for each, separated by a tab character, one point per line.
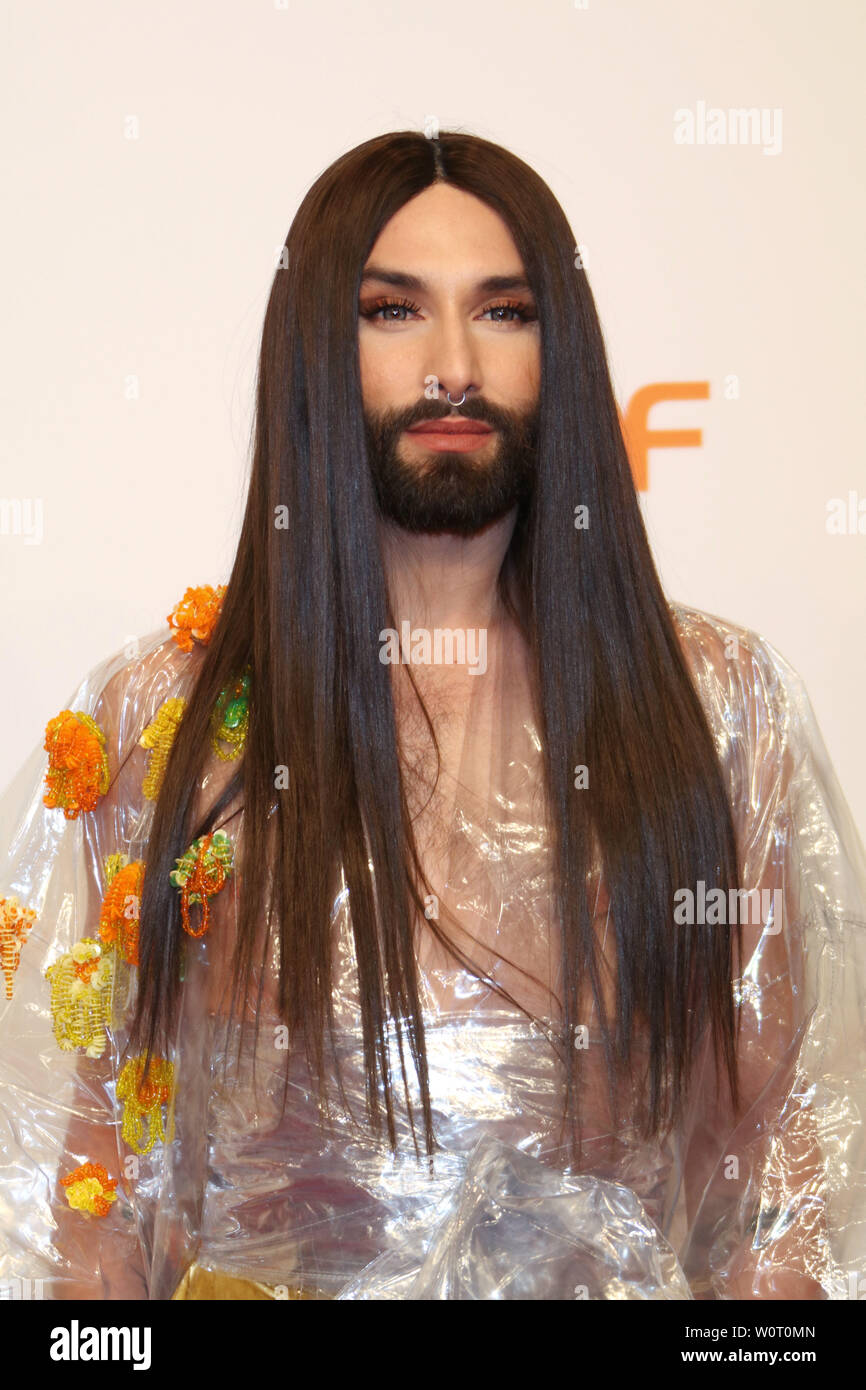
434	910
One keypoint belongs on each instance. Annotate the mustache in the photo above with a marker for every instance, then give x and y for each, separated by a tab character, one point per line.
473	409
476	408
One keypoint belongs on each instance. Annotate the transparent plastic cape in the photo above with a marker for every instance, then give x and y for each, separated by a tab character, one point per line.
103	1196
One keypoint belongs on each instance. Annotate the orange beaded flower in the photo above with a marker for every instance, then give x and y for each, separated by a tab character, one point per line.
196	615
77	763
15	923
121	908
90	1190
200	874
159	737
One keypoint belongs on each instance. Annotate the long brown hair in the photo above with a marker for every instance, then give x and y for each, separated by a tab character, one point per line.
303	609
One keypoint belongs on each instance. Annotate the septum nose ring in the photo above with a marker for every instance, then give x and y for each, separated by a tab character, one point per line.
460	402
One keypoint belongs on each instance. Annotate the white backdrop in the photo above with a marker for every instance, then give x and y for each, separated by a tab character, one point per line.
155	156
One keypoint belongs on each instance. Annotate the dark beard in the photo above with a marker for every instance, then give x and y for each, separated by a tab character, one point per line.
452	492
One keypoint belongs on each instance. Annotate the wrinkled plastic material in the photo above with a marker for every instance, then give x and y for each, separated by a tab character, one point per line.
770	1205
516	1229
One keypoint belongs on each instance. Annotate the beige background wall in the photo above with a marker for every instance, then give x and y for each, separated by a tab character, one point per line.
155	155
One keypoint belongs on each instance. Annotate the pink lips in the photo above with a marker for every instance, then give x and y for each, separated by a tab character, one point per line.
452	433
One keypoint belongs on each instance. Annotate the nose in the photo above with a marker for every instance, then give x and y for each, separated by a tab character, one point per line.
453	359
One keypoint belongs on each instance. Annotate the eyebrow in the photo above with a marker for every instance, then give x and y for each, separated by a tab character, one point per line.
491	284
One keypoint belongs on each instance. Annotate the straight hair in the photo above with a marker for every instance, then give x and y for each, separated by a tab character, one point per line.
302	611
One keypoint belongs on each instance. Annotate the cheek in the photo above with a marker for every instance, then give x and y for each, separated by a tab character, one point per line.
386	375
532	368
514	374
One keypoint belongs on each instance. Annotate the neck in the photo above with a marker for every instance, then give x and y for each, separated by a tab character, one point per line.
445	581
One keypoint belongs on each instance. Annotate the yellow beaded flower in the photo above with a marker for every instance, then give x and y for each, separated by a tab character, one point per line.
121	907
90	1190
15	923
77	763
159	737
112	864
143	1101
194	618
89	988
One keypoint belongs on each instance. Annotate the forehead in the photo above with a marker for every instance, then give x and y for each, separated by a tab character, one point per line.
444	230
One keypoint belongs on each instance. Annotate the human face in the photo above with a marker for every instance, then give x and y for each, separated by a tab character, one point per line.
444	306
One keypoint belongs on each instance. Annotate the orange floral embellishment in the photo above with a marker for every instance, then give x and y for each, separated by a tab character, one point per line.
200	874
90	1190
194	618
77	763
121	908
15	923
159	737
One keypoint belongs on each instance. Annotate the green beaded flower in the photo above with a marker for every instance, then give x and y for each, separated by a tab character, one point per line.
230	718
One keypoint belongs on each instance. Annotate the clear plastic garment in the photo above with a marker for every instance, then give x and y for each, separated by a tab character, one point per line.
211	1187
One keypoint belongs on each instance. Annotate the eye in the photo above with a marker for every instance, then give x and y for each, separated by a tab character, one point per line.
373	310
523	313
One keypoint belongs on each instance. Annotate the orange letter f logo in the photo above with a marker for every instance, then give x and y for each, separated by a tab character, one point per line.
639	438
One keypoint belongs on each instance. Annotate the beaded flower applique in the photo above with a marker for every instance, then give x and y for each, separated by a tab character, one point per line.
121	906
90	1190
159	737
89	989
142	1123
194	618
15	923
230	719
77	763
200	874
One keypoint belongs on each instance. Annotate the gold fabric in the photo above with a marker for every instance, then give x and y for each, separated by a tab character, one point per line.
216	1284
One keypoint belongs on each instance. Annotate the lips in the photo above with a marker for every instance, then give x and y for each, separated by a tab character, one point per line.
450	426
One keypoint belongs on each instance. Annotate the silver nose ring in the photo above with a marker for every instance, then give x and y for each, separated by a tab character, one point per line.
460	402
